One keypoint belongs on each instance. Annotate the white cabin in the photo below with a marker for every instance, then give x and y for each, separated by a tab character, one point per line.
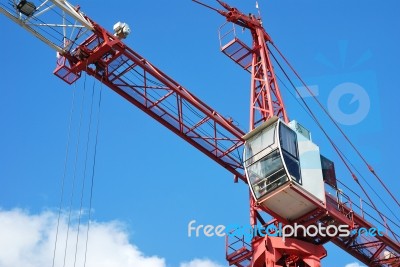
283	168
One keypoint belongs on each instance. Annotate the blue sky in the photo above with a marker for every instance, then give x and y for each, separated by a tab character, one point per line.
153	181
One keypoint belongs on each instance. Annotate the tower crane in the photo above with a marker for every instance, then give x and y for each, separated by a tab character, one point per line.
277	151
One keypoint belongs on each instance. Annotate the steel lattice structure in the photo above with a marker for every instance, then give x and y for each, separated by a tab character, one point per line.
85	46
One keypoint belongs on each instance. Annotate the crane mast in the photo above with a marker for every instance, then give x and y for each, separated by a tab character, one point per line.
265	96
266	102
85	46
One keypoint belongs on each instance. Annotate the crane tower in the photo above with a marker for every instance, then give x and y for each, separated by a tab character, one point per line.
287	176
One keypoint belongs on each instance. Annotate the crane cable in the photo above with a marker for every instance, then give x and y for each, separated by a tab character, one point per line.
64	172
357	171
93	171
63	179
75	168
337	126
339	153
84	171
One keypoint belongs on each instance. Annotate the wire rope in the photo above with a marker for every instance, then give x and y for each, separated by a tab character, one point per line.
75	168
337	126
93	173
64	172
84	172
337	150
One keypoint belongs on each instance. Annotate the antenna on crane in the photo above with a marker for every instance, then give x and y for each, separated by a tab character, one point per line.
259	11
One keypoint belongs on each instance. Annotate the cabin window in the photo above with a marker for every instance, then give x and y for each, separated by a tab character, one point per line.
293	166
258	146
267	174
328	172
288	140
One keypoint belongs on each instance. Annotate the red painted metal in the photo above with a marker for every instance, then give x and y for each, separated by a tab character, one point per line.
109	60
368	249
265	96
265	102
274	252
130	75
266	99
238	251
133	77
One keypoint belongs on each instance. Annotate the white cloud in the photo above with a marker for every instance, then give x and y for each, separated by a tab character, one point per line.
354	264
27	240
200	263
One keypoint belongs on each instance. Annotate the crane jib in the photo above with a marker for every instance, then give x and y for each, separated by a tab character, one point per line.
84	46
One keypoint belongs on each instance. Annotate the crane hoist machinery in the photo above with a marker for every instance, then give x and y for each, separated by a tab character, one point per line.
287	176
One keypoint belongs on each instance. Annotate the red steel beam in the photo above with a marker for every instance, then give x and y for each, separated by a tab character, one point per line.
109	60
133	77
366	249
130	75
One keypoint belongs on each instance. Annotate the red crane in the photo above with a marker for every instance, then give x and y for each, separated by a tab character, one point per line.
85	46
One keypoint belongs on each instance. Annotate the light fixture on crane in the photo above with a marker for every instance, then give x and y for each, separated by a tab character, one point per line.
121	30
26	8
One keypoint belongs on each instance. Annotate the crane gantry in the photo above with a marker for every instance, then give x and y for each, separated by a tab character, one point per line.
85	46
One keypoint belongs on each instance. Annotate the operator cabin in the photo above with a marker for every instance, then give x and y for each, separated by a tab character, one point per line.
285	170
